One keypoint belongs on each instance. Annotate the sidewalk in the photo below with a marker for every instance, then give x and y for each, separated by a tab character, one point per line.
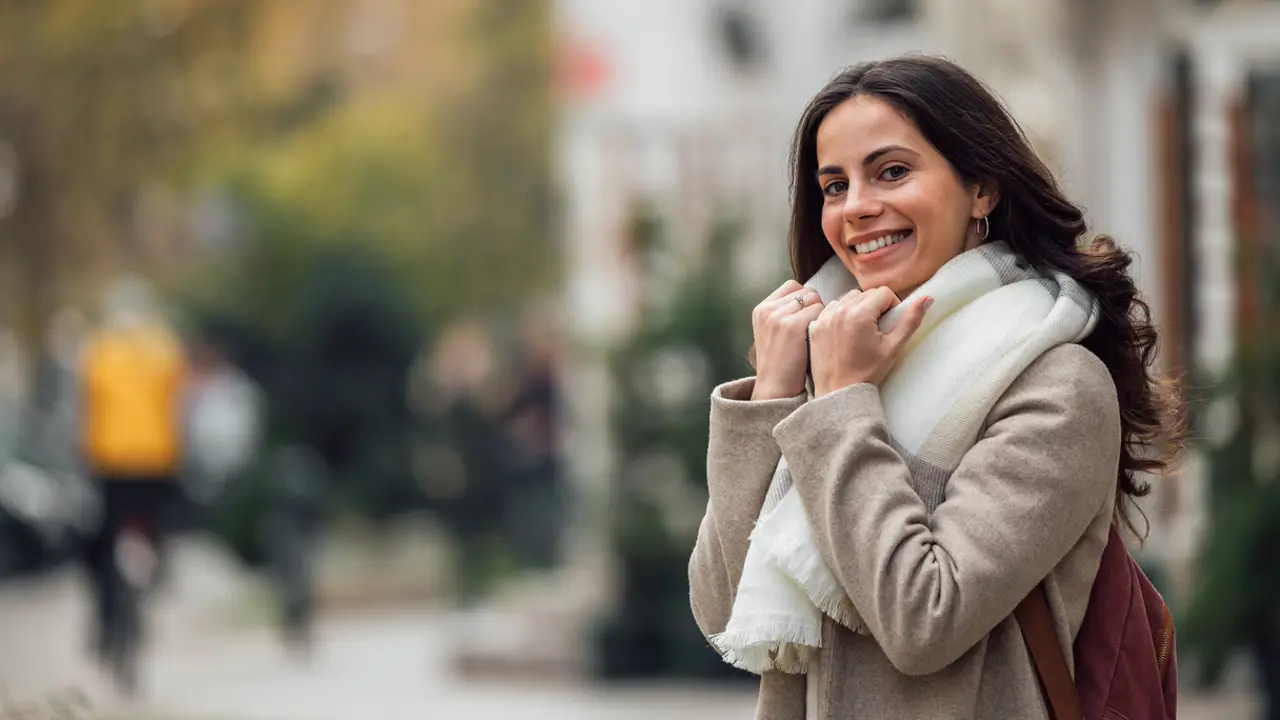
205	664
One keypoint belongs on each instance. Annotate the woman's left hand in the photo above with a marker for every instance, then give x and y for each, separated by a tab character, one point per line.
846	346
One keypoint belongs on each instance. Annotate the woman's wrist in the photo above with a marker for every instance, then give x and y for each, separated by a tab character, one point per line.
836	386
827	385
772	391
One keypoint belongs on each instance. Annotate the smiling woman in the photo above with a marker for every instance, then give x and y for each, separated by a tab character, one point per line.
947	422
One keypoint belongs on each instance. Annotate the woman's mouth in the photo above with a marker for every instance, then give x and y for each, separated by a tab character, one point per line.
878	246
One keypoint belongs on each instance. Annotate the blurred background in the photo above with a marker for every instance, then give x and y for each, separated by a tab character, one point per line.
396	320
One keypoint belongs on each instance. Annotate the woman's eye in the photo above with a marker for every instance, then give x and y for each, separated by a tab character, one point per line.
835	187
894	172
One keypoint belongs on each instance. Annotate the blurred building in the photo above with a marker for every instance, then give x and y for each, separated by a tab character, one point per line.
1158	116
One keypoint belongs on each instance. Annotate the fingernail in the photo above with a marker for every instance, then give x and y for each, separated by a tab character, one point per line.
928	303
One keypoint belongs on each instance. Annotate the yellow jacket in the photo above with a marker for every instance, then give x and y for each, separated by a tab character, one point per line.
132	383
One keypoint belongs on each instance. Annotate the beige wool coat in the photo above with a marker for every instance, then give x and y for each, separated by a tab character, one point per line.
1032	500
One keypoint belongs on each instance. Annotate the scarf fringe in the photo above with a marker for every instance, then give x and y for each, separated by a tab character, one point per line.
810	573
782	647
794	553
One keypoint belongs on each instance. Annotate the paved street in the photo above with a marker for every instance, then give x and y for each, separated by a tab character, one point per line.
387	665
212	661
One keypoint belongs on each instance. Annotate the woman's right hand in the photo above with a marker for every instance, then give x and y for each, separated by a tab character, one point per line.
780	324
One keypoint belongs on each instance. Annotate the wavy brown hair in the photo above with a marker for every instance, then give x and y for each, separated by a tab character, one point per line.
965	122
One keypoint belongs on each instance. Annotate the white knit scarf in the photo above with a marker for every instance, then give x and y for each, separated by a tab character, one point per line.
992	317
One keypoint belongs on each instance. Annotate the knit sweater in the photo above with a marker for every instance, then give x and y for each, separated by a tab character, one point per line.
1032	500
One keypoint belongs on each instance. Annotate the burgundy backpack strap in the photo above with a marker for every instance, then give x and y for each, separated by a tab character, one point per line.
1036	623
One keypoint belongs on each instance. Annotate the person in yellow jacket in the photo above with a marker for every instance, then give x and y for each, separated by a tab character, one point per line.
132	374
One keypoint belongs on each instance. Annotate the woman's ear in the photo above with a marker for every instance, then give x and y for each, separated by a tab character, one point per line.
985	198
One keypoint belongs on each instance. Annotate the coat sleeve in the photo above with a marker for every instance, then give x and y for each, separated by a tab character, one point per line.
741	458
929	587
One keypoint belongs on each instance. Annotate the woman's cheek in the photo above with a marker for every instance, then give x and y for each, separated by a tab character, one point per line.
912	200
831	225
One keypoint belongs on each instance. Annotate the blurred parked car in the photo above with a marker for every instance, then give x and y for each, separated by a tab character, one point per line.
45	516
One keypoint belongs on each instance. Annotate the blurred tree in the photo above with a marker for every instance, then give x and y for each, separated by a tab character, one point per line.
498	247
422	127
445	167
344	385
332	349
399	178
1235	602
665	375
103	109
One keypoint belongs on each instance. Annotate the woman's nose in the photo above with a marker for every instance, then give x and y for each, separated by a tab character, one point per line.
861	205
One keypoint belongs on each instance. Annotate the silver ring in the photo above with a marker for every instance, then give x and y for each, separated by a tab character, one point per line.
800	299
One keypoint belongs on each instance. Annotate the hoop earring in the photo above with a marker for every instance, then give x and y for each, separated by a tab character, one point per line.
984	227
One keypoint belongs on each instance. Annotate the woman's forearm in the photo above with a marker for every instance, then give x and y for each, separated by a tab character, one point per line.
741	458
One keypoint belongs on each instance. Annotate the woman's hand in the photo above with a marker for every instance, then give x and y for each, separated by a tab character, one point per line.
846	344
782	355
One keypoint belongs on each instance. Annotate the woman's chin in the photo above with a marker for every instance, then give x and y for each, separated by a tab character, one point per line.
889	267
893	281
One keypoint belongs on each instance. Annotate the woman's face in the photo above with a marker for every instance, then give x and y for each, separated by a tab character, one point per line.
894	210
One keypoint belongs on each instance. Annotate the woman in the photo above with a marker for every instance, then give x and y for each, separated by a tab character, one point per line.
962	396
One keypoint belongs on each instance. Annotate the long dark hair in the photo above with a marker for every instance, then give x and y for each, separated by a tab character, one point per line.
965	122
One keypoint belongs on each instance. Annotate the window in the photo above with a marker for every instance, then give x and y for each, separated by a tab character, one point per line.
740	36
887	11
1173	116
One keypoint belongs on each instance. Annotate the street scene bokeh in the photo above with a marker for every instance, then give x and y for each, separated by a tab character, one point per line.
355	355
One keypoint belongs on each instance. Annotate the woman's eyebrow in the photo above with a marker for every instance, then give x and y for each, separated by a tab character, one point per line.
878	152
870	158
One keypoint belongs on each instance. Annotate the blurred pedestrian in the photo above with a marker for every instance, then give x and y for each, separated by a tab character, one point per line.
946	421
132	373
224	416
535	504
470	408
51	436
297	479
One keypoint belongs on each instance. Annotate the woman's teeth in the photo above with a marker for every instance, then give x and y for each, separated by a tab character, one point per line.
885	241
